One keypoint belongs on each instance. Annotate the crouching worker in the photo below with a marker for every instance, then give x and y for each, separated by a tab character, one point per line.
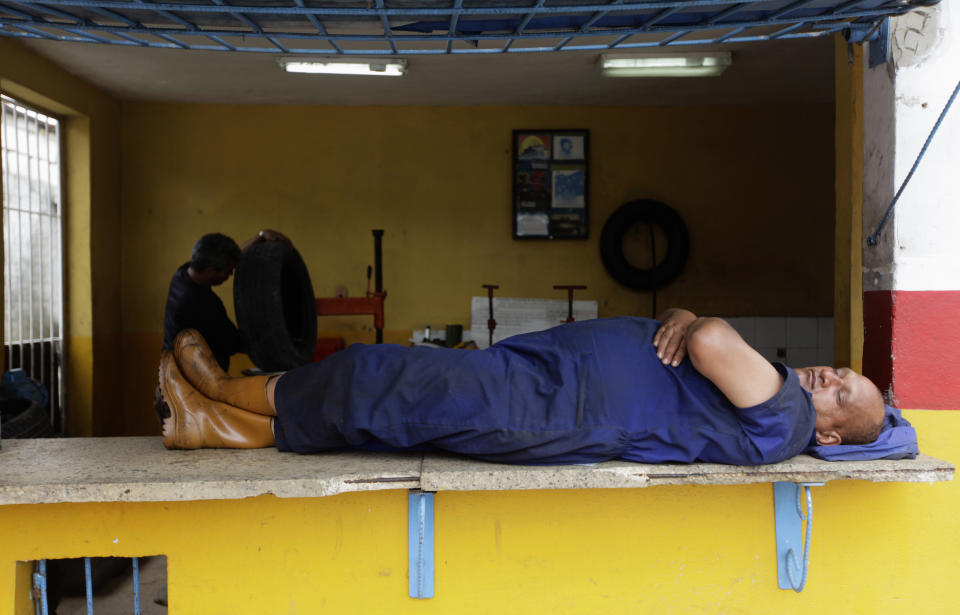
682	390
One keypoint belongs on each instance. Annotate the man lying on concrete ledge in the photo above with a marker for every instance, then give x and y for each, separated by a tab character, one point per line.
683	390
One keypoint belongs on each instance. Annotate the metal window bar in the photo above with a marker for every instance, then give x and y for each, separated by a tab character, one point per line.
32	238
425	27
40	592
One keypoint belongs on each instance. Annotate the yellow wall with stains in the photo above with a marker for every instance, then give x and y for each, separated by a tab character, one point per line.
878	549
147	178
438	180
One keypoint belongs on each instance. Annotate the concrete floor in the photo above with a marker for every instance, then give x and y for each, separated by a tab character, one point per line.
116	598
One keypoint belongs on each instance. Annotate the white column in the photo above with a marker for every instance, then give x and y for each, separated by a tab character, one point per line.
911	278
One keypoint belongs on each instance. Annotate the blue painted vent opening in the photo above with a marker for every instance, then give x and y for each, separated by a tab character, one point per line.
102	585
412	27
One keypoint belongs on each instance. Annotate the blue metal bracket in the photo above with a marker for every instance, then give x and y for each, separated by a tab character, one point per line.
876	32
789	514
859	31
880	45
420	525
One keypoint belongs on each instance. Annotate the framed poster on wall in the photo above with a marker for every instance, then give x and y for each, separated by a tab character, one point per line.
550	186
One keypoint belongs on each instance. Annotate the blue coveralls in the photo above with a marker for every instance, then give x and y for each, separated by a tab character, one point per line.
583	392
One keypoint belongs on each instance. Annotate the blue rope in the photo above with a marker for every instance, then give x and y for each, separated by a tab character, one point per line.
872	239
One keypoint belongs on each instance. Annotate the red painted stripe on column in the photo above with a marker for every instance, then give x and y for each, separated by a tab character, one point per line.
917	351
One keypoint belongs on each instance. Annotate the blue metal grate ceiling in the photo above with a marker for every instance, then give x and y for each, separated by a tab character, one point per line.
416	27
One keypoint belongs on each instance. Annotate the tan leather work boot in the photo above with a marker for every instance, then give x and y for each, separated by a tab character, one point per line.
191	420
201	369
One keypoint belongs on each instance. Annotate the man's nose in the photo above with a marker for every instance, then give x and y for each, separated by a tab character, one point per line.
829	376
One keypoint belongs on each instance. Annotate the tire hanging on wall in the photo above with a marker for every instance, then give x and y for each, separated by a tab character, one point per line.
644	211
275	306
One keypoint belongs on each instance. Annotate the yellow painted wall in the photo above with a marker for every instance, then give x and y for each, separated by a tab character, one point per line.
91	132
23	584
755	185
438	180
886	548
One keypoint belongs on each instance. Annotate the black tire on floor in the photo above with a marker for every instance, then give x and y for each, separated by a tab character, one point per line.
22	418
275	306
644	211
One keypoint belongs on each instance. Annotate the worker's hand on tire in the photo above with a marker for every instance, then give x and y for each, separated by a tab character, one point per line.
671	338
272	235
266	235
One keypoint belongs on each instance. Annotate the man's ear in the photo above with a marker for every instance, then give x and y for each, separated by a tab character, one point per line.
828	438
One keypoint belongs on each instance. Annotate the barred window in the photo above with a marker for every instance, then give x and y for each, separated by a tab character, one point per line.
32	241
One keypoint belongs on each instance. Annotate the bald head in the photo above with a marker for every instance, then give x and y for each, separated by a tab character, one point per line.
849	406
863	423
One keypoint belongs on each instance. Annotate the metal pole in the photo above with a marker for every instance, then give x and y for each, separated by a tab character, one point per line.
56	250
7	254
61	257
491	323
42	578
378	270
19	309
88	573
36	241
53	200
31	333
569	290
136	585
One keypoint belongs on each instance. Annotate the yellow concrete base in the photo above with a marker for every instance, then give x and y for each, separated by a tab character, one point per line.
877	548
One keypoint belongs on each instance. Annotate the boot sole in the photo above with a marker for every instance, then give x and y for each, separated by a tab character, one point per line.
172	437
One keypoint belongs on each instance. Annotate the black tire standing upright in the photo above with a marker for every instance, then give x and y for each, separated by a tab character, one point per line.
275	306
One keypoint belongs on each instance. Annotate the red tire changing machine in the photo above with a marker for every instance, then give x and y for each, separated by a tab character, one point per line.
371	303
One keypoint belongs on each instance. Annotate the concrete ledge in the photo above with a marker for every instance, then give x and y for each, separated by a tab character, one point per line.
458	474
141	470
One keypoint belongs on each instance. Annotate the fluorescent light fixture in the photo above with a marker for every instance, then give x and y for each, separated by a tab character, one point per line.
679	65
383	68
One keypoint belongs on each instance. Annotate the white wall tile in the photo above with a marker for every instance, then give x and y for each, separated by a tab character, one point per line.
771	332
746	327
770	353
802	357
825	356
801	332
806	341
825	333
